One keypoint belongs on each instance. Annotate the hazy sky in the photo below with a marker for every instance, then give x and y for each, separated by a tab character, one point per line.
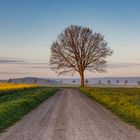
28	27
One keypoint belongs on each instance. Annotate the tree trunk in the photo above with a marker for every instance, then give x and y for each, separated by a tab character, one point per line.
82	79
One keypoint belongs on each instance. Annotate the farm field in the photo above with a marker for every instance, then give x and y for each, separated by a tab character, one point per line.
19	100
5	87
70	115
124	102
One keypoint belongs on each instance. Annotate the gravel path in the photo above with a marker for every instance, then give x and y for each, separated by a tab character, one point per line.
70	115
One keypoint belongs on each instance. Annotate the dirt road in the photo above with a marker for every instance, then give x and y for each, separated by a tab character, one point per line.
70	115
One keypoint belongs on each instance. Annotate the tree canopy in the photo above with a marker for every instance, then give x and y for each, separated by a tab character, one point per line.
78	49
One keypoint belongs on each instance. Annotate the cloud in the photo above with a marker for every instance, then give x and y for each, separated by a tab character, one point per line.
6	60
123	65
10	72
11	61
38	64
18	66
39	67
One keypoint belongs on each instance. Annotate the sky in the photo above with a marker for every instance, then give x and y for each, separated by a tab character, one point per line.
28	27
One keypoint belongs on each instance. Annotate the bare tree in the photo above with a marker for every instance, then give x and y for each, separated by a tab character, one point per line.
78	49
73	81
86	81
117	81
48	81
61	81
138	82
109	82
23	80
100	82
35	80
125	82
10	80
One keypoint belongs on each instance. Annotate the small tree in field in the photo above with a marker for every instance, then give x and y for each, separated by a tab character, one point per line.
99	82
35	81
10	80
74	81
109	82
86	81
125	82
23	80
117	81
61	81
138	82
78	49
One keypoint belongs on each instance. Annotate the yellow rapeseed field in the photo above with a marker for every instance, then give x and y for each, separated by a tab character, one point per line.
8	86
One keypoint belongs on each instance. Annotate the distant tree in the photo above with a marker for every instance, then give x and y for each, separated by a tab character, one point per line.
23	80
86	81
48	81
10	80
35	80
117	81
74	81
109	82
99	82
125	82
61	81
138	82
78	49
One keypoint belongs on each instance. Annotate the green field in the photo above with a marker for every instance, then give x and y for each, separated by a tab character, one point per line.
124	102
13	105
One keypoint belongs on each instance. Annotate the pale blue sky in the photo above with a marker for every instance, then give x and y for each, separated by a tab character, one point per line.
28	27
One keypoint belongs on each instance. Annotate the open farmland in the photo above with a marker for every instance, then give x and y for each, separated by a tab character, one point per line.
70	115
8	87
124	102
19	100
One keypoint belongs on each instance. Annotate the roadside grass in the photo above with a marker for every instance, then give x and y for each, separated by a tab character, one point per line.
14	106
124	102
